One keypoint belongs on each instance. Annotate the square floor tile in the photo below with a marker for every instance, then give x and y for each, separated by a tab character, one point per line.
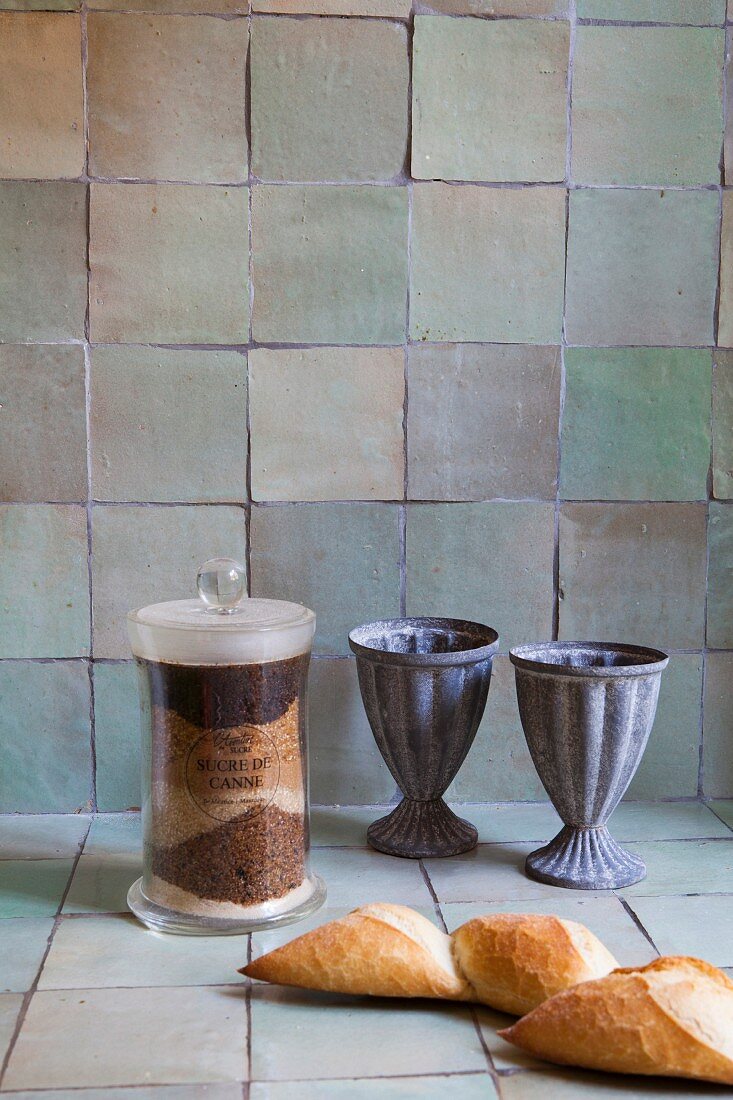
665	821
343	826
498	7
192	7
112	834
329	99
604	916
641	267
42	836
491	872
723	424
101	952
498	765
24	945
42	456
486	562
489	99
146	447
51	699
10	1005
487	264
340	559
510	821
169	264
100	883
632	121
399	9
330	264
469	1086
720	576
135	1092
684	867
180	1035
339	1036
663	11
725	319
144	555
482	421
358	876
345	763
633	572
724	810
117	735
657	401
47	543
327	423
671	761
41	91
43	279
717	723
728	115
167	97
32	887
697	926
543	1083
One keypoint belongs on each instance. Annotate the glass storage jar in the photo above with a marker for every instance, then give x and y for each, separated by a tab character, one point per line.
223	684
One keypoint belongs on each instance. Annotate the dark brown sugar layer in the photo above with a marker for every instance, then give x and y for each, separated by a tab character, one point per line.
220	696
246	861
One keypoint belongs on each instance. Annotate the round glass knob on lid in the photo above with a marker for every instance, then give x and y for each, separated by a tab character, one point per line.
221	583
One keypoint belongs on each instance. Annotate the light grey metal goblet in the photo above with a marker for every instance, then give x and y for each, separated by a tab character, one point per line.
587	709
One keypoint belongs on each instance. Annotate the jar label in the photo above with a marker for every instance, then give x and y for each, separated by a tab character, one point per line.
233	772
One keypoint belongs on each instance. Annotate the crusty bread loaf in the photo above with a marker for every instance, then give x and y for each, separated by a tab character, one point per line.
673	1018
515	961
509	961
382	950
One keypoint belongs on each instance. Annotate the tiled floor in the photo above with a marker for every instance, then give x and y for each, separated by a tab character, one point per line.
94	1006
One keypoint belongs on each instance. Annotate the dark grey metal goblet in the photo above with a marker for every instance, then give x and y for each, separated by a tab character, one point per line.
587	709
424	684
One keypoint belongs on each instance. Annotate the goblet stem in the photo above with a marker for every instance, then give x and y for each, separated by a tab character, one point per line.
421	829
585	859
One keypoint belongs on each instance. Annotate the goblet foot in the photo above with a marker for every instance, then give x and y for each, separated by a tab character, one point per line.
416	830
585	859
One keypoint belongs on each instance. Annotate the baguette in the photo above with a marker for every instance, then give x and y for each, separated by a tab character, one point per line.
672	1018
509	961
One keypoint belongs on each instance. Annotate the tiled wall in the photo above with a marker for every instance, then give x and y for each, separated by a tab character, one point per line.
412	310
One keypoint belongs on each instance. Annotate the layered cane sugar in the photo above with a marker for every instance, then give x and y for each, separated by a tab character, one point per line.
227	823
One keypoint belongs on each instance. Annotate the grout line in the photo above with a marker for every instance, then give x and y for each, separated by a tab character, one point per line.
638	922
28	996
716	814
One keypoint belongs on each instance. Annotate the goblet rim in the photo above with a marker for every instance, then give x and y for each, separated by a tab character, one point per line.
473	655
639	660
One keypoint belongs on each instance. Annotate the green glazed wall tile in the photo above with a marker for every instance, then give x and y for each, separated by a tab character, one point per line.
641	267
195	7
329	99
330	264
168	264
41	93
117	735
496	7
489	99
491	563
43	279
147	447
498	766
723	425
482	421
671	761
40	5
633	573
44	583
43	836
725	319
720	576
43	441
342	560
167	97
636	424
728	83
398	8
145	555
50	769
717	724
327	423
647	105
695	12
487	264
346	767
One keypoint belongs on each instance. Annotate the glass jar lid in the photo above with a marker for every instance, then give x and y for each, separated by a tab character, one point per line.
223	626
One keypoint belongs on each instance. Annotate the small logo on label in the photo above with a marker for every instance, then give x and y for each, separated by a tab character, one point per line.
233	772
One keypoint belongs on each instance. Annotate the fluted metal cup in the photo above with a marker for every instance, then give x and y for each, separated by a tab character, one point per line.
587	709
424	684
